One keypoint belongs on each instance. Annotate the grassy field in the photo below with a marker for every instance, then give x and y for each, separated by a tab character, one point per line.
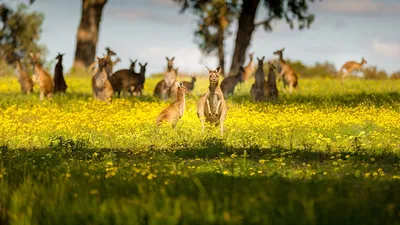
328	154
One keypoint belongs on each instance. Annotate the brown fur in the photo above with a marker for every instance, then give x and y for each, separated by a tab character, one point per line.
101	86
271	89
174	112
249	69
122	80
258	89
212	106
45	83
190	85
24	79
59	81
229	83
167	88
351	66
288	75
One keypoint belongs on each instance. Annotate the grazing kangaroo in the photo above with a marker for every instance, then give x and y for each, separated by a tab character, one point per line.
288	75
45	83
174	112
122	79
190	85
59	81
272	90
350	66
258	89
248	70
102	89
212	106
24	79
228	84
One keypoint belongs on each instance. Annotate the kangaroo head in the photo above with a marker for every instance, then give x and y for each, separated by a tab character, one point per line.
142	68
251	56
271	65
213	75
133	64
194	78
110	52
279	52
102	62
363	61
59	56
261	61
182	88
35	58
170	62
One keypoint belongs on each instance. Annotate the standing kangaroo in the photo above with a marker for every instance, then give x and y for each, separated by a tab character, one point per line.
272	90
45	83
166	88
24	79
122	80
228	84
101	86
248	70
190	85
288	75
258	89
212	106
350	66
174	112
59	81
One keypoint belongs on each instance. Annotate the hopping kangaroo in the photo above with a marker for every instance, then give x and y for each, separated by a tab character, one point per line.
45	83
228	84
102	89
350	66
212	106
59	81
258	89
166	88
288	75
272	90
190	85
174	112
122	80
248	70
24	79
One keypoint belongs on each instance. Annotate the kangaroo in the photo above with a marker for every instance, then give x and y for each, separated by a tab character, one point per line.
122	79
45	83
110	63
212	106
166	88
59	81
228	84
258	92
137	91
190	85
350	66
288	75
249	68
24	79
174	112
271	89
102	88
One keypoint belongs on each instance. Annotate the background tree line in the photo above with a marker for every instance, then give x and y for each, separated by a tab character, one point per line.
20	31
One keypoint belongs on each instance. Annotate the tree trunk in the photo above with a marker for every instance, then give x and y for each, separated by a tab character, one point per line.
243	36
88	32
221	53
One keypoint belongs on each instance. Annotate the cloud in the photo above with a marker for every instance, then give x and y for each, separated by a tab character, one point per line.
163	2
358	7
387	49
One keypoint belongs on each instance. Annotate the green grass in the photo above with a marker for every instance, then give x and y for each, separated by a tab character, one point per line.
328	154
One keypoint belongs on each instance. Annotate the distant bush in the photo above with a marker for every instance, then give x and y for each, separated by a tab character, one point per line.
395	75
372	73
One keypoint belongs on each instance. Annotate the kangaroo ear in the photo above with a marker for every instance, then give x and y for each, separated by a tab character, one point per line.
167	58
209	70
282	49
263	58
145	64
140	64
258	59
218	69
173	58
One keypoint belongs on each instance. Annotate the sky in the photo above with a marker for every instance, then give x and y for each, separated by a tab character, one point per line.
149	30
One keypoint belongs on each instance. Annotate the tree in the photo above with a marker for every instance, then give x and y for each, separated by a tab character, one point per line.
214	20
289	10
372	73
88	32
395	75
20	33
